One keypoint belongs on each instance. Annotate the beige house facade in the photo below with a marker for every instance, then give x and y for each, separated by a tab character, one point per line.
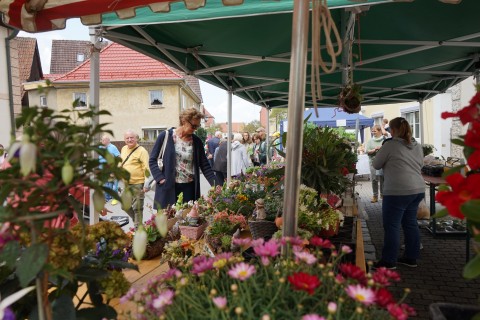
146	97
435	130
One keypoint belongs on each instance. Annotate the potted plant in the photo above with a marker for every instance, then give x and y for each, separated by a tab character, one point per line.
193	225
40	245
428	149
271	286
178	252
221	229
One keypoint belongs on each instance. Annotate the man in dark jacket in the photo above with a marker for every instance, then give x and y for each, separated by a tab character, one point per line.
212	145
220	161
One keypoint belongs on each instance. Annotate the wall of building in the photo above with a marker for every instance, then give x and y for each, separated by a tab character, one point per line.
5	124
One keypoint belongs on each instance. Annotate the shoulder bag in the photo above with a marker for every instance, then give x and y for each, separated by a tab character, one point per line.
162	152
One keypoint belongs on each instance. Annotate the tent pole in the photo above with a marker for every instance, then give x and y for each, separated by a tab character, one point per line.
229	134
422	118
296	101
94	98
267	138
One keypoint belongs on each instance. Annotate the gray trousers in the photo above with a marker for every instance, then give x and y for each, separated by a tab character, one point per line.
375	180
136	211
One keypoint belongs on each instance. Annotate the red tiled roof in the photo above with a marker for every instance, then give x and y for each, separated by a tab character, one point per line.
52	76
121	63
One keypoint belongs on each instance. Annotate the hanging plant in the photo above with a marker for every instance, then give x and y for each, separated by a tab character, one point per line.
350	98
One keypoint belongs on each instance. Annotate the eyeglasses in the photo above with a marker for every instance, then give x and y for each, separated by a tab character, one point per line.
194	126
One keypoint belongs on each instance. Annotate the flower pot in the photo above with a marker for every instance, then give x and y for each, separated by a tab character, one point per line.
324	233
154	249
193	233
452	311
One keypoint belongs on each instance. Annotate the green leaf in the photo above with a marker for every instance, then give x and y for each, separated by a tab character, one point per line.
10	253
472	269
85	274
440	214
471	210
458	142
123	264
453	170
63	308
31	262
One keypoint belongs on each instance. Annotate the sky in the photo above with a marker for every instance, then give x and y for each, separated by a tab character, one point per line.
214	99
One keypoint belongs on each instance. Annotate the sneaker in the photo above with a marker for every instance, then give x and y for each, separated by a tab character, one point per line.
412	263
374	199
114	202
384	264
403	246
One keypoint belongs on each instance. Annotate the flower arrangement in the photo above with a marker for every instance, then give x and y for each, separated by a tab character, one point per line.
178	252
304	284
461	194
40	247
315	214
238	198
222	227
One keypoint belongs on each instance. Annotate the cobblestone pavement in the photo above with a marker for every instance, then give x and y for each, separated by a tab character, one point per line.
438	277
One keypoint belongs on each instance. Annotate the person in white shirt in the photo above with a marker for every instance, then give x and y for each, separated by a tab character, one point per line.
240	159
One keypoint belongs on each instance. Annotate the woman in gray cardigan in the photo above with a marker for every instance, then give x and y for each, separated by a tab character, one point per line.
184	157
401	159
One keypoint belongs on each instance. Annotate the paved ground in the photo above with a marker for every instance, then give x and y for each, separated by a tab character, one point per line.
438	277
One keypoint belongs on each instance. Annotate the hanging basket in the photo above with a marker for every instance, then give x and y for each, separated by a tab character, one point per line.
262	229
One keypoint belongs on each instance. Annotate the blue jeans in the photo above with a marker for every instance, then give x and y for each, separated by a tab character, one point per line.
110	185
396	211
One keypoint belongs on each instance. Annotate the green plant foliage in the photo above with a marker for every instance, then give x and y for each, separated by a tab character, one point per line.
325	160
428	149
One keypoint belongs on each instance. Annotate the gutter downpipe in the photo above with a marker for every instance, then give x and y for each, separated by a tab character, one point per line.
10	82
296	106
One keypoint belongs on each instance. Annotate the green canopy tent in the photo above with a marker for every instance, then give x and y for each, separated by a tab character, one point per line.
401	51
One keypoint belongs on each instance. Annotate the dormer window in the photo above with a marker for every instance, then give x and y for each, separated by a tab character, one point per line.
156	98
80	57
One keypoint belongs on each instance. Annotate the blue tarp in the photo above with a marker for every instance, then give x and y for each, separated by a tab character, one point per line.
333	118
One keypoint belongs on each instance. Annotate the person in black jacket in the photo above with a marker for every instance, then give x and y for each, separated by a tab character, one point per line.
184	157
220	161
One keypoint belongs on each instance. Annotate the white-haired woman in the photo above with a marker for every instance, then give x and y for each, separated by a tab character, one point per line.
239	156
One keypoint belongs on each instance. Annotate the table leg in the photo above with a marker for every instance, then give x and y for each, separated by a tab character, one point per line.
432	208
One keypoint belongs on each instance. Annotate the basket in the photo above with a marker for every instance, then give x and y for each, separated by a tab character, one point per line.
193	233
262	229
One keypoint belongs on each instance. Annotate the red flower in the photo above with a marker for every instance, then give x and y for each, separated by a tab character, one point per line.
400	312
383	297
472	136
345	171
319	242
384	276
463	189
474	159
467	114
304	281
352	271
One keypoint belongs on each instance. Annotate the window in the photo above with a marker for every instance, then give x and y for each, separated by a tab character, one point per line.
43	101
377	121
80	57
413	119
80	99
151	134
156	98
183	102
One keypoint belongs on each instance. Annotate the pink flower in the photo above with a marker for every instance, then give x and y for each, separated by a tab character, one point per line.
201	264
268	249
383	276
400	312
312	316
306	257
361	294
346	249
353	272
241	271
220	302
241	242
164	299
332	307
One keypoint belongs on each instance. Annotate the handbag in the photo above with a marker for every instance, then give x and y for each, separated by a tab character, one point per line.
162	152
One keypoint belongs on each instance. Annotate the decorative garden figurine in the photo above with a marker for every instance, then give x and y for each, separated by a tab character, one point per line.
193	215
259	212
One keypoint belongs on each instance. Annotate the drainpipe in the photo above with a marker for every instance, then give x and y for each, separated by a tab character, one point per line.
9	77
